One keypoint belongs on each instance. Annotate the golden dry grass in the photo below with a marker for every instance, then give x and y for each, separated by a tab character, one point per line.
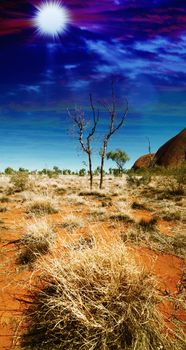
95	299
38	239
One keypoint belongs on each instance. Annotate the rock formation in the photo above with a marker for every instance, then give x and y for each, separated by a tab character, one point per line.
172	154
144	161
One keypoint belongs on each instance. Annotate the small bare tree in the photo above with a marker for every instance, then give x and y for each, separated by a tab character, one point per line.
150	153
78	119
114	125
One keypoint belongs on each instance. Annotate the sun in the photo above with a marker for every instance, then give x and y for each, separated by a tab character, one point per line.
51	18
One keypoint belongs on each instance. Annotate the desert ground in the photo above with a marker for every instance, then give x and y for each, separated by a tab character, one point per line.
44	219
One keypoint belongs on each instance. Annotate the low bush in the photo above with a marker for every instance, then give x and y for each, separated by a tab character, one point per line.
20	181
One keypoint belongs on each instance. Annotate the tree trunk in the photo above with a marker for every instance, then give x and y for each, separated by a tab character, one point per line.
102	164
90	170
101	172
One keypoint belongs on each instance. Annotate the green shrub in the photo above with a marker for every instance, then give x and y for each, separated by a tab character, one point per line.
20	181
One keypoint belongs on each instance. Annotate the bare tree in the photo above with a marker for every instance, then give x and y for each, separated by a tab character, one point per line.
149	145
150	153
114	125
77	116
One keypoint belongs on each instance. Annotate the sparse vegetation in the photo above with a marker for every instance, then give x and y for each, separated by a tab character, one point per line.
102	309
155	240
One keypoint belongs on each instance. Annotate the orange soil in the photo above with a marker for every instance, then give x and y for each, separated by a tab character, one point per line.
164	226
167	268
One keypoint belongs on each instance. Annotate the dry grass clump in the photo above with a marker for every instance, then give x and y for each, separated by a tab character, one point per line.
84	242
37	240
44	182
4	182
138	180
122	217
75	199
3	209
167	187
4	199
140	206
95	300
97	194
170	215
26	196
147	224
42	204
99	213
152	238
72	222
60	191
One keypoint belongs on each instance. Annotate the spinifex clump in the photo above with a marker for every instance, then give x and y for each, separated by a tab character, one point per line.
95	299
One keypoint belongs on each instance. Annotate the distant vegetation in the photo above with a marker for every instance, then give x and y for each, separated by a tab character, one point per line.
120	157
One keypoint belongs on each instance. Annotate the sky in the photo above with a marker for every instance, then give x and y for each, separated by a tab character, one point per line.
141	44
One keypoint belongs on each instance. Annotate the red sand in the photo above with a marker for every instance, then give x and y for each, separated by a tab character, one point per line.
167	268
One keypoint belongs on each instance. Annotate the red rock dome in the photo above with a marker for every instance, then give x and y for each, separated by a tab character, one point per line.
144	161
173	152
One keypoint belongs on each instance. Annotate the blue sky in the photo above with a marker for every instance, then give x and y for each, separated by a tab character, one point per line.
141	43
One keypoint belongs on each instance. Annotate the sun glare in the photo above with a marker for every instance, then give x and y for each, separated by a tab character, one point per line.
51	18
